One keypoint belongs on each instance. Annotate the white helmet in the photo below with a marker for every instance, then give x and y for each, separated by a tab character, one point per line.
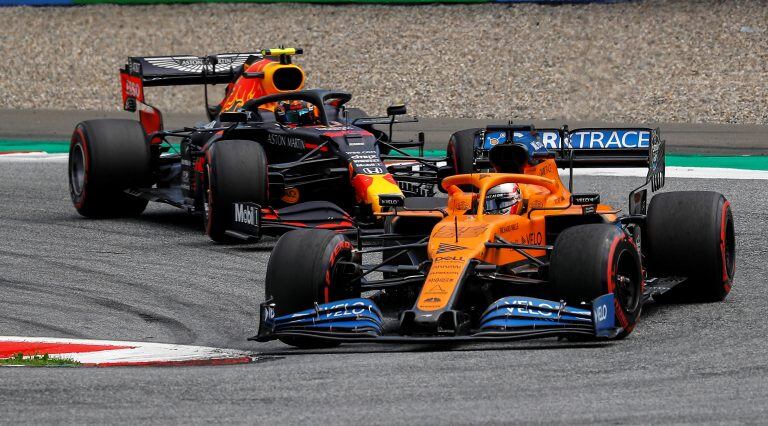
503	199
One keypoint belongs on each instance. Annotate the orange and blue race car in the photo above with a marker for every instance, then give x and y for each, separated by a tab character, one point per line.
512	254
273	157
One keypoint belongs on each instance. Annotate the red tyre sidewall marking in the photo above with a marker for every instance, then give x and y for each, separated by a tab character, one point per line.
336	250
208	193
452	151
724	265
86	166
619	311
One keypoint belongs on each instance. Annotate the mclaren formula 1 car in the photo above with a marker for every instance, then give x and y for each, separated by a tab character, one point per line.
274	157
511	255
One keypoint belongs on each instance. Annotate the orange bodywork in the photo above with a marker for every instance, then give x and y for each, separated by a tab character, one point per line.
451	252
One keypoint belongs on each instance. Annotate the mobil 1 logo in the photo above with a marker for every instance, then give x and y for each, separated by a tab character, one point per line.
246	217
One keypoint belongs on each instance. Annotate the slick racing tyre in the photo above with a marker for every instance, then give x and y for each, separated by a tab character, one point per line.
589	261
107	157
461	151
236	170
690	234
302	271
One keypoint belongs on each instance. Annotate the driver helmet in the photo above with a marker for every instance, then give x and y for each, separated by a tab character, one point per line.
298	113
503	199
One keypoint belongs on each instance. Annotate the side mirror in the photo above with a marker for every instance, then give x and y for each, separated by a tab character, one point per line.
233	117
396	109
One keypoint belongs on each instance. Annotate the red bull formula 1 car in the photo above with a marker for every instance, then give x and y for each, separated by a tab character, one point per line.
513	254
274	157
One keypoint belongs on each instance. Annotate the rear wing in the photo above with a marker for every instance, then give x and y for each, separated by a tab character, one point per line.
148	71
592	147
585	147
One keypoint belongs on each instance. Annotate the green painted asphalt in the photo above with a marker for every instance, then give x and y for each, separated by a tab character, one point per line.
744	162
133	2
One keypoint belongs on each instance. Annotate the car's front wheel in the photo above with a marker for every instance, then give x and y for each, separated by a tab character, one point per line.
236	171
302	271
589	261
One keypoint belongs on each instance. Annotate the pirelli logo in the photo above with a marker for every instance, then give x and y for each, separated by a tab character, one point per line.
445	248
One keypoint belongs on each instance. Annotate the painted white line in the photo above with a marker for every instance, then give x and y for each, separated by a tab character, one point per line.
138	353
33	157
675	172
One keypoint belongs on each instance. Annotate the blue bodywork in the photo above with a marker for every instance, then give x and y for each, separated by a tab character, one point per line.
545	140
509	318
347	316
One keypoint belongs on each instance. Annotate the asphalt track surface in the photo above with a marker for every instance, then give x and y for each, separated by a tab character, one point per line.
157	278
682	138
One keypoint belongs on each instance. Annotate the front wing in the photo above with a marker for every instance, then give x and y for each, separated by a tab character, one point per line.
508	319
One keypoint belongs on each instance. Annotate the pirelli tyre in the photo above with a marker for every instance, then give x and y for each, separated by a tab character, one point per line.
461	151
691	234
303	270
236	171
460	154
106	157
589	261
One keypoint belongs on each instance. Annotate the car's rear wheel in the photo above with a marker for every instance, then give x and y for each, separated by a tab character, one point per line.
236	171
690	234
461	151
106	157
460	154
302	271
589	261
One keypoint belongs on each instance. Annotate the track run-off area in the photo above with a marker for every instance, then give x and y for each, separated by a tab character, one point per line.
158	279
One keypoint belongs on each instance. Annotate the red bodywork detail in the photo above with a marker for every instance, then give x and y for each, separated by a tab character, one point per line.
347	132
150	117
151	120
388	177
245	89
310	146
340	225
132	87
361	184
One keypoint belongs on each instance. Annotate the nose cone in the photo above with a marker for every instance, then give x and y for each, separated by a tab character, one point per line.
369	187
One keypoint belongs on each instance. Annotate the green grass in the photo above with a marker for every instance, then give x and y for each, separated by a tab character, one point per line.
38	361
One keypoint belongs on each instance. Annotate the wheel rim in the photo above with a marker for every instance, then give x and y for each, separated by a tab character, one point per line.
77	169
626	280
730	247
